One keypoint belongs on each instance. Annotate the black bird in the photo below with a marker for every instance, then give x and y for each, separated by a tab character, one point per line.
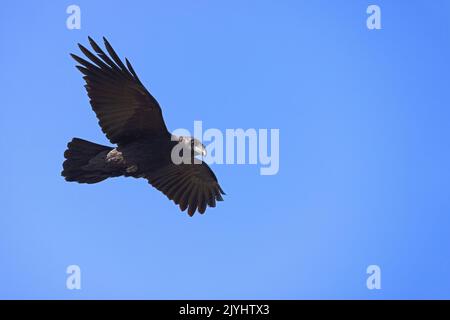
132	119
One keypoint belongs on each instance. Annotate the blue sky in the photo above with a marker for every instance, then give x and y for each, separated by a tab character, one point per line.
364	151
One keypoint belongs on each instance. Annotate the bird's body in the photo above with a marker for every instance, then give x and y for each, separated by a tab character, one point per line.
132	119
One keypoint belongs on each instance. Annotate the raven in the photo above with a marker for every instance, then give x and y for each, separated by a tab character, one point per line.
131	118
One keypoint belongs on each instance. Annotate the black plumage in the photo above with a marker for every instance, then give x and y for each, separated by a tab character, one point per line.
132	119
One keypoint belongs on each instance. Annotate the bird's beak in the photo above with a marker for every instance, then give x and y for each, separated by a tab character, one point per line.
200	150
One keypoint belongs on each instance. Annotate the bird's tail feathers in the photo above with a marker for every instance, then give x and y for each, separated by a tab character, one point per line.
77	166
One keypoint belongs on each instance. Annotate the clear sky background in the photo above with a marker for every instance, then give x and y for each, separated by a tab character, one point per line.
364	151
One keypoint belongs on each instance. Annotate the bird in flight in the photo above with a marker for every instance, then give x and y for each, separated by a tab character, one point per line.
131	119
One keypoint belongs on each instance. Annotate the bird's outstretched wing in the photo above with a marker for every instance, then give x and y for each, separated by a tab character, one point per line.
124	107
191	186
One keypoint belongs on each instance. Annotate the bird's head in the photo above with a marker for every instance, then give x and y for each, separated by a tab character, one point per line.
193	144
